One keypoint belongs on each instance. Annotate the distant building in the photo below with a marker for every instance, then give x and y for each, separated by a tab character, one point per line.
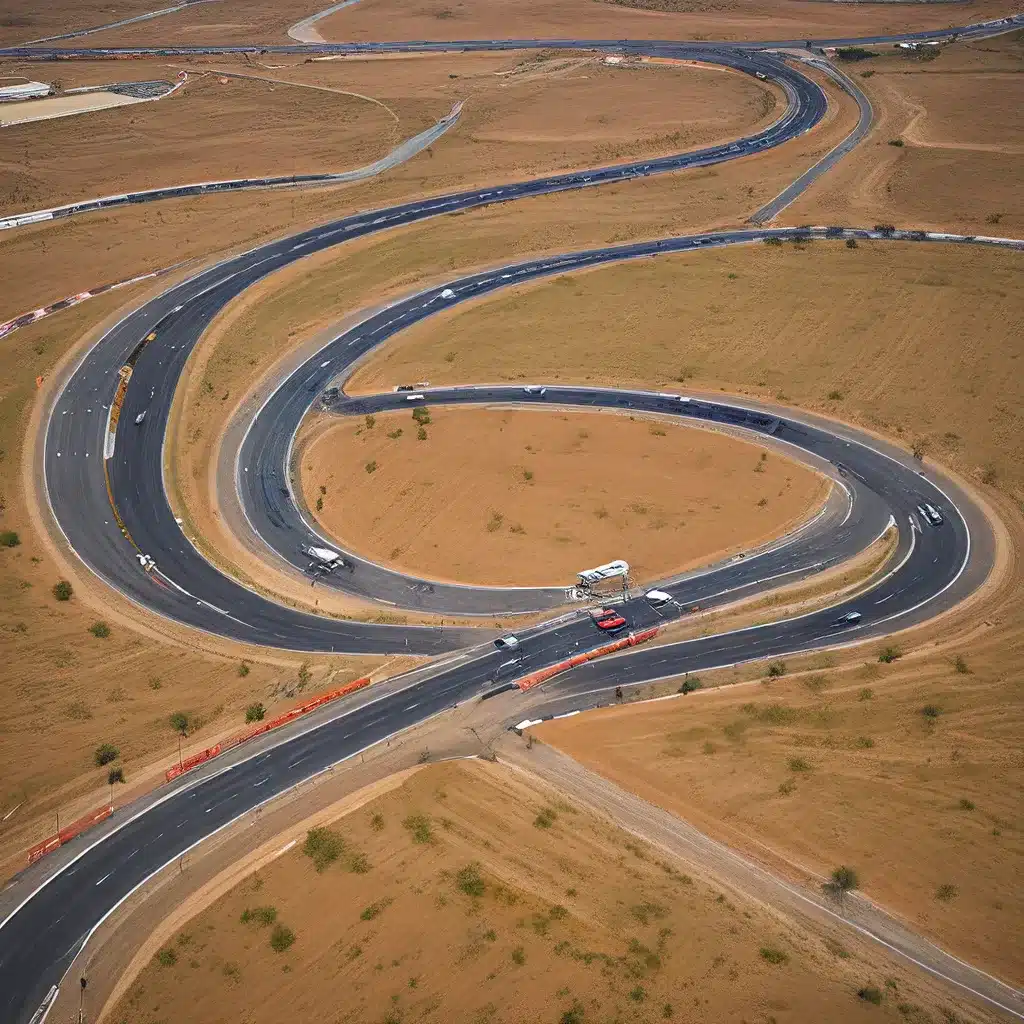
24	91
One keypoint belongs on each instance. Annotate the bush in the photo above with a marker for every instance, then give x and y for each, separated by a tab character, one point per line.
965	804
773	241
261	916
574	1015
167	957
421	414
370	421
890	654
865	742
843	879
375	909
323	846
371	466
798	764
62	590
421	434
377	823
931	711
115	775
896	142
281	938
9	539
100	630
546	818
243	669
179	722
776	669
773	955
689	685
854	53
255	712
960	666
395	434
835	395
105	753
518	956
851	243
870	995
469	881
419	828
638	994
946	892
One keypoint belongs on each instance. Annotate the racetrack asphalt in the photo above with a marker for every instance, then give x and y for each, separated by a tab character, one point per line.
938	565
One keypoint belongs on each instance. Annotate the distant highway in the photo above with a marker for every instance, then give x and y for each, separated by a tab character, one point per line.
937	563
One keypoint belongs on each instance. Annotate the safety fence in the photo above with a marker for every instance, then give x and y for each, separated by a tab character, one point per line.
544	674
58	839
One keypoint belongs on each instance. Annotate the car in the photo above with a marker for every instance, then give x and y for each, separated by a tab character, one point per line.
415	397
140	417
533	389
933	515
849	619
658	597
612	624
406	387
447	294
507	643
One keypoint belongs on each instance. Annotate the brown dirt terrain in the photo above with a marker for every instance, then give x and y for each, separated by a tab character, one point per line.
644	19
529	498
846	768
959	119
23	20
472	894
881	329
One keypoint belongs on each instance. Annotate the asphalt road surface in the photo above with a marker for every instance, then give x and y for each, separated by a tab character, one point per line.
938	563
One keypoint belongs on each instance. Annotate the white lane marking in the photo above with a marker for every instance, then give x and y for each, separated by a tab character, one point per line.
294	763
260	783
105	877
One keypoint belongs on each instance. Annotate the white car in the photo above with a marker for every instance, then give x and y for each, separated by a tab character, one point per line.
447	294
140	417
658	597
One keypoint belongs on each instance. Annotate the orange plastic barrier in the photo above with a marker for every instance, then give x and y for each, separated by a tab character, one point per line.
192	762
68	832
544	674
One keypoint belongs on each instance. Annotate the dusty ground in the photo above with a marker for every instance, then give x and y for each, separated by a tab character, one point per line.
871	335
651	19
959	119
562	912
529	499
845	768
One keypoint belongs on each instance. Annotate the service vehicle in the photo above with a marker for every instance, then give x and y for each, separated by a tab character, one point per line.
324	559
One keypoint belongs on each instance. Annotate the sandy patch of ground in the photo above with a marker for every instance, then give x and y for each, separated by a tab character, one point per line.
61	106
959	119
470	894
23	20
847	768
659	19
525	498
874	335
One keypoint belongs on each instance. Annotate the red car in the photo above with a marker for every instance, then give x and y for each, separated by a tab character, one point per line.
602	613
615	622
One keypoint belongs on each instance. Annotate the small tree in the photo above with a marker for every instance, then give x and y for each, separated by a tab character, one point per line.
243	669
179	722
62	590
115	775
618	693
105	753
843	880
100	630
255	712
9	539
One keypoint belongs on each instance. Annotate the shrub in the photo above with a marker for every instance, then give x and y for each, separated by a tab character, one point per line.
304	674
835	395
574	1015
371	466
990	475
421	414
377	823
773	241
115	775
889	654
105	753
866	694
518	956
527	475
896	142
773	955
546	818
798	764
870	995
243	668
638	994
854	53
323	847
375	909
993	218
931	712
776	669
100	630
62	590
179	722
851	243
419	828
960	666
689	685
946	892
787	787
395	434
255	712
865	742
421	434
9	539
281	938
843	879
167	957
965	804
469	881
370	420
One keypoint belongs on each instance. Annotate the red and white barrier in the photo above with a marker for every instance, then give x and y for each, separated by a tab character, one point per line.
69	832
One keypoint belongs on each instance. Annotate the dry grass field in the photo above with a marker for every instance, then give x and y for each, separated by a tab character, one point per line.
918	342
850	767
529	498
470	894
958	119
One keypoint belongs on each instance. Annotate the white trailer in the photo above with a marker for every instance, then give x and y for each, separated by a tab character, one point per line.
324	559
613	570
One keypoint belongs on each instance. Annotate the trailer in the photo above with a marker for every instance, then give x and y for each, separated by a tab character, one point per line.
612	570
